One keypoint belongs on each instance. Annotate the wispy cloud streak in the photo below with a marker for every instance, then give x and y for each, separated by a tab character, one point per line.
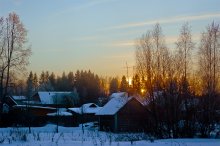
85	38
168	20
89	4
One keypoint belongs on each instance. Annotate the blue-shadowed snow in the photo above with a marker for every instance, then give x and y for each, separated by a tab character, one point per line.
19	97
74	136
60	114
33	106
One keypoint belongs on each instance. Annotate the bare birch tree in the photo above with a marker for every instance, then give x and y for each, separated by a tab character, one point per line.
185	47
15	53
209	52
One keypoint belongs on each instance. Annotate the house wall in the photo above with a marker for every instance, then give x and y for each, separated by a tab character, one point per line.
22	116
66	121
131	117
107	123
36	97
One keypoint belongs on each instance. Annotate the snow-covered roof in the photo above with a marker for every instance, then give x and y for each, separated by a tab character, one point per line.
88	108
119	94
114	105
48	97
30	106
60	114
19	97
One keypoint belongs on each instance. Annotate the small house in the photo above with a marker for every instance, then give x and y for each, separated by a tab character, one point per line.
85	113
122	114
15	100
53	99
62	117
25	115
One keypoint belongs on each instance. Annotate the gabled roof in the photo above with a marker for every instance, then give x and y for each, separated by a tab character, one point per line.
33	107
19	97
59	114
49	97
119	94
114	105
89	108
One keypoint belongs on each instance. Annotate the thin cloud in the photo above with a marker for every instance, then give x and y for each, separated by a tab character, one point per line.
125	55
85	38
168	20
89	4
126	43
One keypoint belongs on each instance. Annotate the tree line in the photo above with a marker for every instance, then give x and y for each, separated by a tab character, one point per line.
89	86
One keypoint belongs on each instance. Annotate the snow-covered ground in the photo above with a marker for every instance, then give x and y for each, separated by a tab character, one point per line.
74	136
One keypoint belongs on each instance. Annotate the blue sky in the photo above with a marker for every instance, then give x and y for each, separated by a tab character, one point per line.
99	35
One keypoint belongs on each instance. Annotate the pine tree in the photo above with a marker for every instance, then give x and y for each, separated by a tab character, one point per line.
30	85
124	85
136	84
53	80
113	85
35	82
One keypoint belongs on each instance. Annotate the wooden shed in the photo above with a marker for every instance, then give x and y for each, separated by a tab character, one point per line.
122	114
85	113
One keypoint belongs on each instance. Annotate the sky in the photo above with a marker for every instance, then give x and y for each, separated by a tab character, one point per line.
100	35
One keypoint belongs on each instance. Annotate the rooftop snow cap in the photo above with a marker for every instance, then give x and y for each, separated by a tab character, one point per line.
19	97
118	100
88	108
49	97
119	94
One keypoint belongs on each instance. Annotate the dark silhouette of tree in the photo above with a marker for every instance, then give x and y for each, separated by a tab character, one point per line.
44	82
124	84
88	86
14	54
209	71
30	84
35	82
53	81
136	82
113	85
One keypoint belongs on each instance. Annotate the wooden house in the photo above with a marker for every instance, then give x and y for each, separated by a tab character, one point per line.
24	115
15	100
122	114
62	117
51	99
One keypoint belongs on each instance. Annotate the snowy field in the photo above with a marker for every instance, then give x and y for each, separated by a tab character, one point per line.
74	136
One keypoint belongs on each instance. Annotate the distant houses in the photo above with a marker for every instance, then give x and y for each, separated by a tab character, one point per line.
120	114
34	110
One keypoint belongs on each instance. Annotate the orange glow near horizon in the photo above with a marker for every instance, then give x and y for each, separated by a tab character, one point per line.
129	81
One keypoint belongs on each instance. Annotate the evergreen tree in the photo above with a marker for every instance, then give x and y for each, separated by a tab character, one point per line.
30	86
113	85
70	79
52	80
35	82
124	84
45	84
42	78
136	84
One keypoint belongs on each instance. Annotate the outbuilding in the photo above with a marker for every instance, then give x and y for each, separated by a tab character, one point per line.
122	114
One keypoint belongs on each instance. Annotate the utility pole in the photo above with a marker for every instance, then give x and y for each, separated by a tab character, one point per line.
127	68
